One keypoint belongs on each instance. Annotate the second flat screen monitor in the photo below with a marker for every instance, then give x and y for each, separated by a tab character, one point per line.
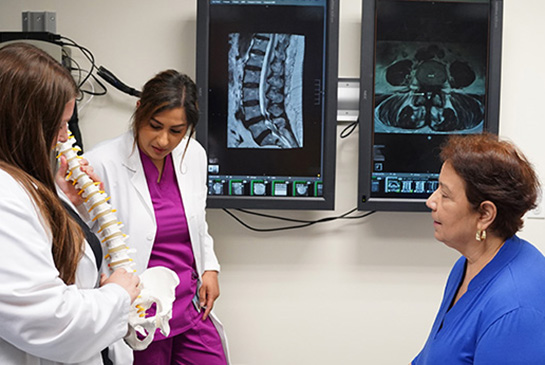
430	69
267	77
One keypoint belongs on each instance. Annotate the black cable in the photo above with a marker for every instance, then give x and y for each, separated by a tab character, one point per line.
88	54
80	96
115	82
72	69
349	129
83	91
360	216
285	228
94	93
273	216
73	61
101	71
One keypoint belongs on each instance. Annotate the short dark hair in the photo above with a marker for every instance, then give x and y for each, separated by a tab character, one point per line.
494	170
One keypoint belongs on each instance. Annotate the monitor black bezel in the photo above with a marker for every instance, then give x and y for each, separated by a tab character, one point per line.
366	118
327	201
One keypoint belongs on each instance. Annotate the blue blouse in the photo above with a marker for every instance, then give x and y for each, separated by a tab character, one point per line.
501	317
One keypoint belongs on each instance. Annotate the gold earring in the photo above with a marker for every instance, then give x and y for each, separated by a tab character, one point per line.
480	235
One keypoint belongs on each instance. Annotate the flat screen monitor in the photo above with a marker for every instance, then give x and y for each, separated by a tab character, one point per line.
429	69
267	80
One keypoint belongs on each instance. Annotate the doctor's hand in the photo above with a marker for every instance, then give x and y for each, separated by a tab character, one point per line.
209	291
128	281
66	186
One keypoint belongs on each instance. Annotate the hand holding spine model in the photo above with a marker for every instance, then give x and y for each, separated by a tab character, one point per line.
157	283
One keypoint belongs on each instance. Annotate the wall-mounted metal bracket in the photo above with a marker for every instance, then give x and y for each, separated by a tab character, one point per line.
348	100
40	21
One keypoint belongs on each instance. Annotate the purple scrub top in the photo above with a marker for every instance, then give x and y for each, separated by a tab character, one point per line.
172	245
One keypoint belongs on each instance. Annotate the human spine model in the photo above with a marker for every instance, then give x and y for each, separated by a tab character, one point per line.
157	283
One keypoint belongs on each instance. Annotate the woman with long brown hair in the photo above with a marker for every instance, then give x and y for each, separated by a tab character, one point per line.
49	309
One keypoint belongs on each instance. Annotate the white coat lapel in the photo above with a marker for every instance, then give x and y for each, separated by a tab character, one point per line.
183	176
180	166
138	179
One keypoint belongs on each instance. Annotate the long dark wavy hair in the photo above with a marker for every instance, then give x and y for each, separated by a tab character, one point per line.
34	91
167	90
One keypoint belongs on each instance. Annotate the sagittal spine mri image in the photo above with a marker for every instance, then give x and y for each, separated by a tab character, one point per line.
265	90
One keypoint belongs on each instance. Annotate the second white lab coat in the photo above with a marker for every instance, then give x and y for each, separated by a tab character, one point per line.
117	162
43	321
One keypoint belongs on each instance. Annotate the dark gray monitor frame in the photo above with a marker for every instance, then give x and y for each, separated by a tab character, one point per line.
329	90
367	105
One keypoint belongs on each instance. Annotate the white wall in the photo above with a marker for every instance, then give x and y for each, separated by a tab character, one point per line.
350	292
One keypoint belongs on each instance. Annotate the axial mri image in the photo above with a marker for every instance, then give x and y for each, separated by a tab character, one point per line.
265	91
426	87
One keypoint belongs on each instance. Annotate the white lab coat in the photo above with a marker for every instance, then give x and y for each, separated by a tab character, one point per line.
42	320
117	162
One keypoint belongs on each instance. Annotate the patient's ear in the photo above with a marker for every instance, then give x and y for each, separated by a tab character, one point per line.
488	212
